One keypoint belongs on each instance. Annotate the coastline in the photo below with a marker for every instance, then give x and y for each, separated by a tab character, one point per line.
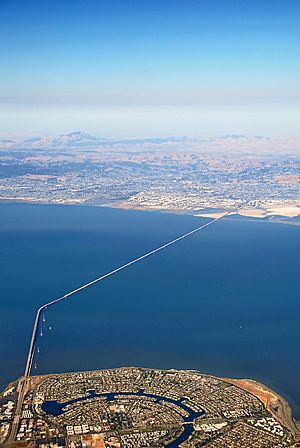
277	214
280	215
277	405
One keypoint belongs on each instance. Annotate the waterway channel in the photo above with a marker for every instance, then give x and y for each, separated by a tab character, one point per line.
55	408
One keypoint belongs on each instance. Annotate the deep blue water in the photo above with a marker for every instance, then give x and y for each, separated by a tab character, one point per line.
225	301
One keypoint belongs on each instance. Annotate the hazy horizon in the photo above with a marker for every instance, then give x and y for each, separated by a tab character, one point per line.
132	68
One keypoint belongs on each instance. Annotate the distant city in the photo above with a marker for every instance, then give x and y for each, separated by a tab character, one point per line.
258	175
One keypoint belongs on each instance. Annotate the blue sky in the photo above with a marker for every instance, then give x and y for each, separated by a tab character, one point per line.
155	67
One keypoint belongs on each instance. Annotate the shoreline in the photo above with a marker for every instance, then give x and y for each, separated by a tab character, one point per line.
275	403
212	212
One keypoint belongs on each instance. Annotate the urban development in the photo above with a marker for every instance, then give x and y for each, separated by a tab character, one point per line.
182	175
134	407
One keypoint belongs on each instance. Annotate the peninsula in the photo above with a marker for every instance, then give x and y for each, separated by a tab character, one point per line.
137	407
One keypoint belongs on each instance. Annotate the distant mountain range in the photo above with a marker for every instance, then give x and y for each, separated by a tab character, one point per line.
77	139
73	140
84	141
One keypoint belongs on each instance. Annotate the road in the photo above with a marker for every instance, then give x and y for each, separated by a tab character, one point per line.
23	384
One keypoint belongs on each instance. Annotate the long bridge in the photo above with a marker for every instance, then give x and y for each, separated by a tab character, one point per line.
23	384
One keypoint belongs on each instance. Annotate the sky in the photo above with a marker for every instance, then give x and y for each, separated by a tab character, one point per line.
134	68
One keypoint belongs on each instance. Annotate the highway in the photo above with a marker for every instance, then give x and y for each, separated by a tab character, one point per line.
23	384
